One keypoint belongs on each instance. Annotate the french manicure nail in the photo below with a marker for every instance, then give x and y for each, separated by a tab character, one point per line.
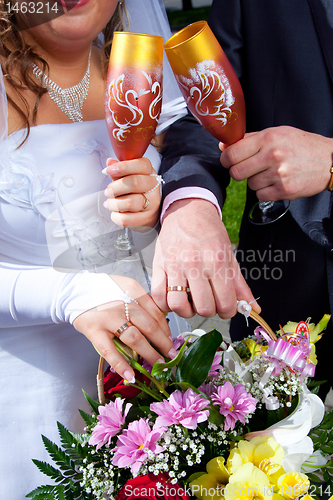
104	171
113	169
128	375
160	360
172	353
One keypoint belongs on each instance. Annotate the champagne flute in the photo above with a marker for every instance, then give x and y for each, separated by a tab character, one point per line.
213	94
133	98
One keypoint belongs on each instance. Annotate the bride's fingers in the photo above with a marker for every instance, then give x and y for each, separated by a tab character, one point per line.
117	169
106	348
148	304
145	328
131	184
130	203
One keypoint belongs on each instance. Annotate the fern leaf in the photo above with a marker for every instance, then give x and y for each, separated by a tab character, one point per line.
58	455
94	404
42	493
60	492
48	470
89	419
70	443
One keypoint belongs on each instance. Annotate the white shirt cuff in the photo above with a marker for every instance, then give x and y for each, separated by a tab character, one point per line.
189	192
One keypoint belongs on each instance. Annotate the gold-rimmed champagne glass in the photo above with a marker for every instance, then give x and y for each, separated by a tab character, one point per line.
133	98
213	94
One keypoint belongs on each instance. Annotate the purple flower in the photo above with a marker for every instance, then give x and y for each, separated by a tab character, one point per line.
216	366
185	408
133	445
234	403
178	342
208	388
111	419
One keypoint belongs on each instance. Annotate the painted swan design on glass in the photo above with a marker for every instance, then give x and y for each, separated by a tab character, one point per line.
210	93
125	106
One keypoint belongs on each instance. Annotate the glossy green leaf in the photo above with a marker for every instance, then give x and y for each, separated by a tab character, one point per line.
197	361
159	368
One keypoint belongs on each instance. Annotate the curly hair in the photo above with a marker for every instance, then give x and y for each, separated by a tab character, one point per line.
19	55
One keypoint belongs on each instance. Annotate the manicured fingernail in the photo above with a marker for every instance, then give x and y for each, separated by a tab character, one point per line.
112	166
170	337
129	377
105	204
104	171
106	192
160	360
172	353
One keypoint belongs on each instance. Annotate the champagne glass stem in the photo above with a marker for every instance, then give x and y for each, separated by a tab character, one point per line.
123	242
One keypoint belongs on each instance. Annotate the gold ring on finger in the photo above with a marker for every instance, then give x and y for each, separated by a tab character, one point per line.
145	202
122	328
177	288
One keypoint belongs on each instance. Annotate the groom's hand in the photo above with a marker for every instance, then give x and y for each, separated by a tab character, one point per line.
193	250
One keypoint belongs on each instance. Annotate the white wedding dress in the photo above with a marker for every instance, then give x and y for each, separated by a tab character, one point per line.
56	244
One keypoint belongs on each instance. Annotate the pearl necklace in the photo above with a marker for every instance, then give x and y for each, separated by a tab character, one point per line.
69	100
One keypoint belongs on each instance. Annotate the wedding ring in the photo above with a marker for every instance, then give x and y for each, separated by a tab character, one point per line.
122	328
145	203
177	289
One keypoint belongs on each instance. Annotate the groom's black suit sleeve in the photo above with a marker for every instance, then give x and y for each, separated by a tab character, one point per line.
191	157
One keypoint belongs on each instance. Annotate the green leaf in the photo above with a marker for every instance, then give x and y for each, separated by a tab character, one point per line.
48	470
196	362
60	492
94	404
59	456
215	416
313	478
42	493
89	419
158	368
72	443
321	326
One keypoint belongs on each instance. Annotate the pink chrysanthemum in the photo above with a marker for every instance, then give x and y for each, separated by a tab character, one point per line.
111	419
133	445
185	408
216	366
234	403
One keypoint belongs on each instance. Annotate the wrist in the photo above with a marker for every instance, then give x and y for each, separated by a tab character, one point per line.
191	205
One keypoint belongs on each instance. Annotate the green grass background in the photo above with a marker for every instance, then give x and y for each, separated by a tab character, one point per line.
236	192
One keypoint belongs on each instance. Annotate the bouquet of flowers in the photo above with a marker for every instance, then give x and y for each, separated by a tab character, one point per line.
216	422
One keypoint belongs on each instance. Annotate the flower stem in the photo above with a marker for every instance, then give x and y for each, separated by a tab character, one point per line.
140	368
144	388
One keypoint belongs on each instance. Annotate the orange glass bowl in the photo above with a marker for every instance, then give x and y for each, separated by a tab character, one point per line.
207	81
133	97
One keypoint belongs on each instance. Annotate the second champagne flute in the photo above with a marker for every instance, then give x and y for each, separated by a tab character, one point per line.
213	94
133	98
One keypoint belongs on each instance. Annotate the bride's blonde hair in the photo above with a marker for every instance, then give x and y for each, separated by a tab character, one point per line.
18	55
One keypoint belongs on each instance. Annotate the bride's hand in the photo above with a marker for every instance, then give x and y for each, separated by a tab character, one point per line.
134	195
148	324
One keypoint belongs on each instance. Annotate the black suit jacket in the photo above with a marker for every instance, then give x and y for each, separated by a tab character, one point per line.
282	51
